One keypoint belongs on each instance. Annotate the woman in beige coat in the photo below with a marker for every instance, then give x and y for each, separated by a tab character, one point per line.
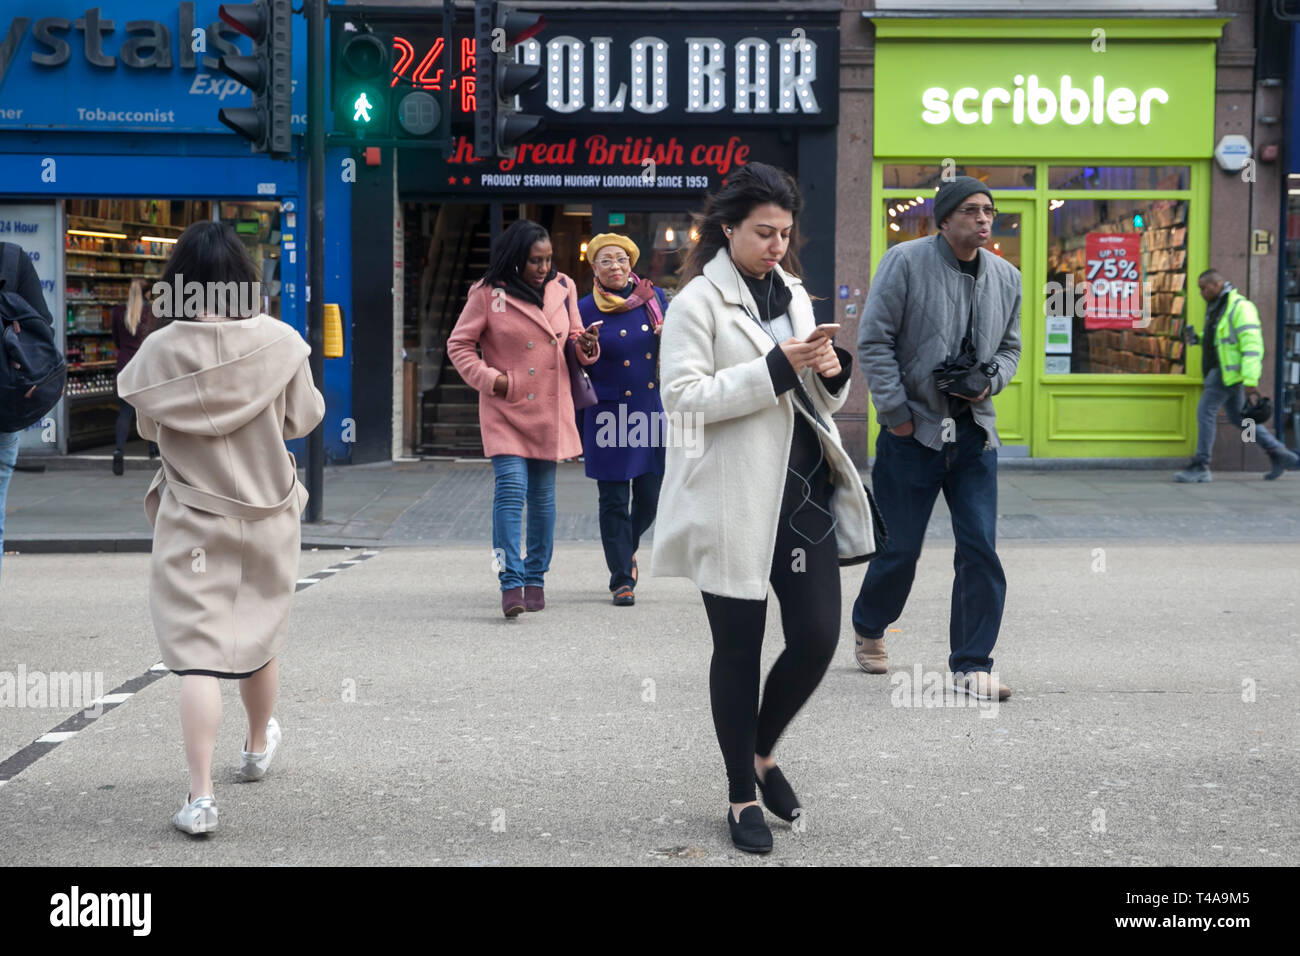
220	392
771	501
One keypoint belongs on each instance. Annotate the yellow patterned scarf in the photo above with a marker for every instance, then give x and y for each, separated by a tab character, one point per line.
642	295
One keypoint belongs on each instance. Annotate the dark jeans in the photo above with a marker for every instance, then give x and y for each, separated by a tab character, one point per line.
122	430
622	522
907	478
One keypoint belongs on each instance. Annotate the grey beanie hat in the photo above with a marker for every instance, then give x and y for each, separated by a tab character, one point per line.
953	194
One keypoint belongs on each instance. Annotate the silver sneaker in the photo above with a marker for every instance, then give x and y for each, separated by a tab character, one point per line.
197	817
254	766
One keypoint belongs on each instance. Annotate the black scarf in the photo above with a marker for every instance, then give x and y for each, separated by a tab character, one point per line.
516	286
770	295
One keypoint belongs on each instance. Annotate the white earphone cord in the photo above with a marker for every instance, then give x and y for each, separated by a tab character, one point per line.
821	452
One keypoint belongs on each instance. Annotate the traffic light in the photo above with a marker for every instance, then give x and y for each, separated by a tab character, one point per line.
362	78
498	29
268	74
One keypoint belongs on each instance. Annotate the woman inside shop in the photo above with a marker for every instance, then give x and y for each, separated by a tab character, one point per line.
522	314
767	496
131	323
220	392
623	436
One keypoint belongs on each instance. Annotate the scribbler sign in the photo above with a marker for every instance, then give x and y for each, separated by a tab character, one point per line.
1114	277
1033	98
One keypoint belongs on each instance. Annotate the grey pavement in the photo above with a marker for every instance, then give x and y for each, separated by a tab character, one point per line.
437	503
1154	720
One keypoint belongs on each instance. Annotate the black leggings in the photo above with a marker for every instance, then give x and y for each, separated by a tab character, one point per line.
807	585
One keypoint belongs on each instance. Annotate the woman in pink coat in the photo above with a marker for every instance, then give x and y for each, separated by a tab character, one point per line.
520	315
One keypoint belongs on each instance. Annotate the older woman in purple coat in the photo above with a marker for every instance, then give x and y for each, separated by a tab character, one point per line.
623	435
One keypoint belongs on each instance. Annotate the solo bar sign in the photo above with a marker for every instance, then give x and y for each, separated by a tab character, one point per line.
708	73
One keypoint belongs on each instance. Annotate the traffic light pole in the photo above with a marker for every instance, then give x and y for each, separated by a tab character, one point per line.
316	243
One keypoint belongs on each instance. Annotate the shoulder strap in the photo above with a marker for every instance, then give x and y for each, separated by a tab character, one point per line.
970	317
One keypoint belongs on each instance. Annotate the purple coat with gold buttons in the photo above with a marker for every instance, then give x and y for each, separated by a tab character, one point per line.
623	434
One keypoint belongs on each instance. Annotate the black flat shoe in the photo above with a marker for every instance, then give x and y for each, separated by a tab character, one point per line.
119	465
778	795
751	833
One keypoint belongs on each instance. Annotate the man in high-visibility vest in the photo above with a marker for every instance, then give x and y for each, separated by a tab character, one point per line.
1231	362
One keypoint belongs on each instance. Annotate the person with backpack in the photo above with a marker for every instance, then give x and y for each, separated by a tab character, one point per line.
220	392
32	369
131	323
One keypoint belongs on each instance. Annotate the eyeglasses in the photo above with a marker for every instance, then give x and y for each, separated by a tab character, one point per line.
973	211
606	263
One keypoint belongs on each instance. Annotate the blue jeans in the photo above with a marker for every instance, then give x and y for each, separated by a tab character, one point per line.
1214	396
907	478
520	480
8	455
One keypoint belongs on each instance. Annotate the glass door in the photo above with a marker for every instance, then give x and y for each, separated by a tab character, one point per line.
1013	240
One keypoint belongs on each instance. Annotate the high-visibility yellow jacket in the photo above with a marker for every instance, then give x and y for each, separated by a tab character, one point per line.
1239	341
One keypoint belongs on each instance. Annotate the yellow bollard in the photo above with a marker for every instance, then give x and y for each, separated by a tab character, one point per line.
333	330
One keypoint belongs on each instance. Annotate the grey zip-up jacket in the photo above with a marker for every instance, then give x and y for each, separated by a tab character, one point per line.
914	321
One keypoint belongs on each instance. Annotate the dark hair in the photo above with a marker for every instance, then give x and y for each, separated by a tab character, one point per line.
511	250
751	185
1211	274
208	252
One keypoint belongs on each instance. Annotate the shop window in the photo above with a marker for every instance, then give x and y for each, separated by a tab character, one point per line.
908	219
258	226
1119	177
662	237
1117	286
903	176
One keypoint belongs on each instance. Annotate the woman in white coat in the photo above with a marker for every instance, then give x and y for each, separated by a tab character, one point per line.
765	495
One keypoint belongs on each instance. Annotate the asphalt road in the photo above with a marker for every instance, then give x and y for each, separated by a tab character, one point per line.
1154	721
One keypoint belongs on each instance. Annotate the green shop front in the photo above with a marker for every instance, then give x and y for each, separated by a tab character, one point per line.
1095	139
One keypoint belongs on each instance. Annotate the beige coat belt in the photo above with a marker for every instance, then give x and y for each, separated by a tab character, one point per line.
213	503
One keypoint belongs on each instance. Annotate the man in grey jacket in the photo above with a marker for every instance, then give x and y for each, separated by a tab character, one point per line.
940	301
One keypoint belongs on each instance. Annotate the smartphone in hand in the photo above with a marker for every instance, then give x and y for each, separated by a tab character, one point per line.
825	331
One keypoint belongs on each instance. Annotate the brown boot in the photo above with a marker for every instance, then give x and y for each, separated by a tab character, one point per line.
512	602
871	655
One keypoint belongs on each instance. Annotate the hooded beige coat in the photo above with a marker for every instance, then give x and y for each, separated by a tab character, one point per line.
220	398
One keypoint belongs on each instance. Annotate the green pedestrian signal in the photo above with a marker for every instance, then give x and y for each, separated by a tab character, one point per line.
361	109
362	81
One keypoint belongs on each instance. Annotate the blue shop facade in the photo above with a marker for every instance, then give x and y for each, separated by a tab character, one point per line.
109	147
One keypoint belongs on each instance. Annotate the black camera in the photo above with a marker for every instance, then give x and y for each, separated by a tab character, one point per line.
965	376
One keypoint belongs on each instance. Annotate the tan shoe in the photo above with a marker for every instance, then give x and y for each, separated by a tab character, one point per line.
981	685
871	655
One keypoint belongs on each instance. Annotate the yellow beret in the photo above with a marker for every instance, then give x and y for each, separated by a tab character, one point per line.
597	243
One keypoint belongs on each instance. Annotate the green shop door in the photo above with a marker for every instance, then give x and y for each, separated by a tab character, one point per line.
1013	240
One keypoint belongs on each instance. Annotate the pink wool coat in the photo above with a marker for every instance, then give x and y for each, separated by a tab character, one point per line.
220	398
535	418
